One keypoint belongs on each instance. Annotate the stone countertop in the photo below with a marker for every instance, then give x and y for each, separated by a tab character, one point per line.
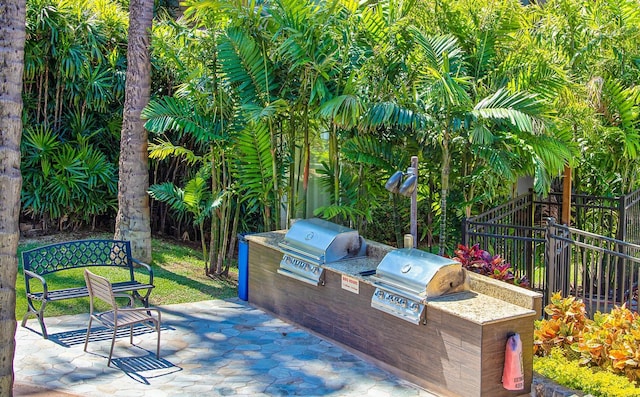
477	308
269	239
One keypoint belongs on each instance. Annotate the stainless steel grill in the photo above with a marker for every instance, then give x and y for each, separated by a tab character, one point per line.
406	278
311	243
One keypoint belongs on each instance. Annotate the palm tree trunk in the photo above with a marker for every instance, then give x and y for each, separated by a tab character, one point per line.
215	217
45	119
291	211
444	178
12	38
334	156
133	220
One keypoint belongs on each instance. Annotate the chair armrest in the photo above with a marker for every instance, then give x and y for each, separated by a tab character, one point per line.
130	297
142	309
29	275
146	266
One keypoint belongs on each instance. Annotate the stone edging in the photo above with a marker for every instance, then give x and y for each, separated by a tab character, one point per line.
544	387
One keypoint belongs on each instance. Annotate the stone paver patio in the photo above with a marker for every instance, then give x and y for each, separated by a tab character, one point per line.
210	348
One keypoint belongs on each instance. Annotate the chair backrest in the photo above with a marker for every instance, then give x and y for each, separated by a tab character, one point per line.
99	287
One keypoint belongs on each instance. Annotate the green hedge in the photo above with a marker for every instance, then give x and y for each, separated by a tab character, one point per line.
569	373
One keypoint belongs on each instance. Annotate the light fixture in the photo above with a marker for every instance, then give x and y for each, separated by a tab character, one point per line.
407	187
393	184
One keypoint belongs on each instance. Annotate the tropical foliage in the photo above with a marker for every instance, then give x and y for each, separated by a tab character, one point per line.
264	101
73	93
608	342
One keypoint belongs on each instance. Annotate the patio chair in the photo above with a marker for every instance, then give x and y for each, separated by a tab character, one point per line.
100	288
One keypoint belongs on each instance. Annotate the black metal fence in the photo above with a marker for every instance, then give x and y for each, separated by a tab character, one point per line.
601	271
511	231
520	232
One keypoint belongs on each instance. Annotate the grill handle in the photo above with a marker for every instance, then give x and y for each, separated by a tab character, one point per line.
300	254
298	277
395	288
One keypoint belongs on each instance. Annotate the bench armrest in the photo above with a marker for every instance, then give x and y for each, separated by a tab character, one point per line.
146	266
29	275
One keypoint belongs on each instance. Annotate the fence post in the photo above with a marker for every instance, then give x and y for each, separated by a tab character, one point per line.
621	235
465	225
529	252
622	218
551	260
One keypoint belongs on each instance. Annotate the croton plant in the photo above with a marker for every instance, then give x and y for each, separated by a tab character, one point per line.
482	262
610	341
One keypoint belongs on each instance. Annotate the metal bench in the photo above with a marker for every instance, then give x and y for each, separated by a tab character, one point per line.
41	261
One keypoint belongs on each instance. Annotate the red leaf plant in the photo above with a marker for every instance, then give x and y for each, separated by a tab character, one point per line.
482	262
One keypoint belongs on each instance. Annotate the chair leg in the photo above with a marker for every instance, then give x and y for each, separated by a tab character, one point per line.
86	339
158	330
113	341
131	334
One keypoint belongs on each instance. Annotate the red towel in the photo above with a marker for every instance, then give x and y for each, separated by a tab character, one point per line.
513	374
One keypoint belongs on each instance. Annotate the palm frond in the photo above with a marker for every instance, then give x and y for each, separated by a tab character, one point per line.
621	104
255	113
255	161
439	49
169	113
170	194
374	24
374	152
518	109
391	114
246	66
343	110
346	212
163	149
481	135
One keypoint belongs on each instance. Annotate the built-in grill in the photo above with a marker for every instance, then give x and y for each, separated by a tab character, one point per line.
406	278
311	243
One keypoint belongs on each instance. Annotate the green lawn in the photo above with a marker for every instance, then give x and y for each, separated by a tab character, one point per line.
178	273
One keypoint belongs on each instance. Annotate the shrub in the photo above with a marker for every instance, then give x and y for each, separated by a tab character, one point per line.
611	342
566	320
482	262
571	374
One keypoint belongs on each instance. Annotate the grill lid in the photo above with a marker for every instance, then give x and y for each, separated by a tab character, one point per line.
321	241
421	273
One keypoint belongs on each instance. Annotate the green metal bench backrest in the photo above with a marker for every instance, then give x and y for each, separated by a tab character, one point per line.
80	253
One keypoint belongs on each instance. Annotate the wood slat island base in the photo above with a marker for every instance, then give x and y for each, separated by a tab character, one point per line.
458	352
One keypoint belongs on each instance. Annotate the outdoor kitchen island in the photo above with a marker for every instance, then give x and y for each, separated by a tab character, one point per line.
457	348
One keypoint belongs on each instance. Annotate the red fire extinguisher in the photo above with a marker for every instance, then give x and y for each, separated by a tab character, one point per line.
513	373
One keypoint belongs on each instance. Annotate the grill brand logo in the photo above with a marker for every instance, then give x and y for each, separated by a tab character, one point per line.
309	236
